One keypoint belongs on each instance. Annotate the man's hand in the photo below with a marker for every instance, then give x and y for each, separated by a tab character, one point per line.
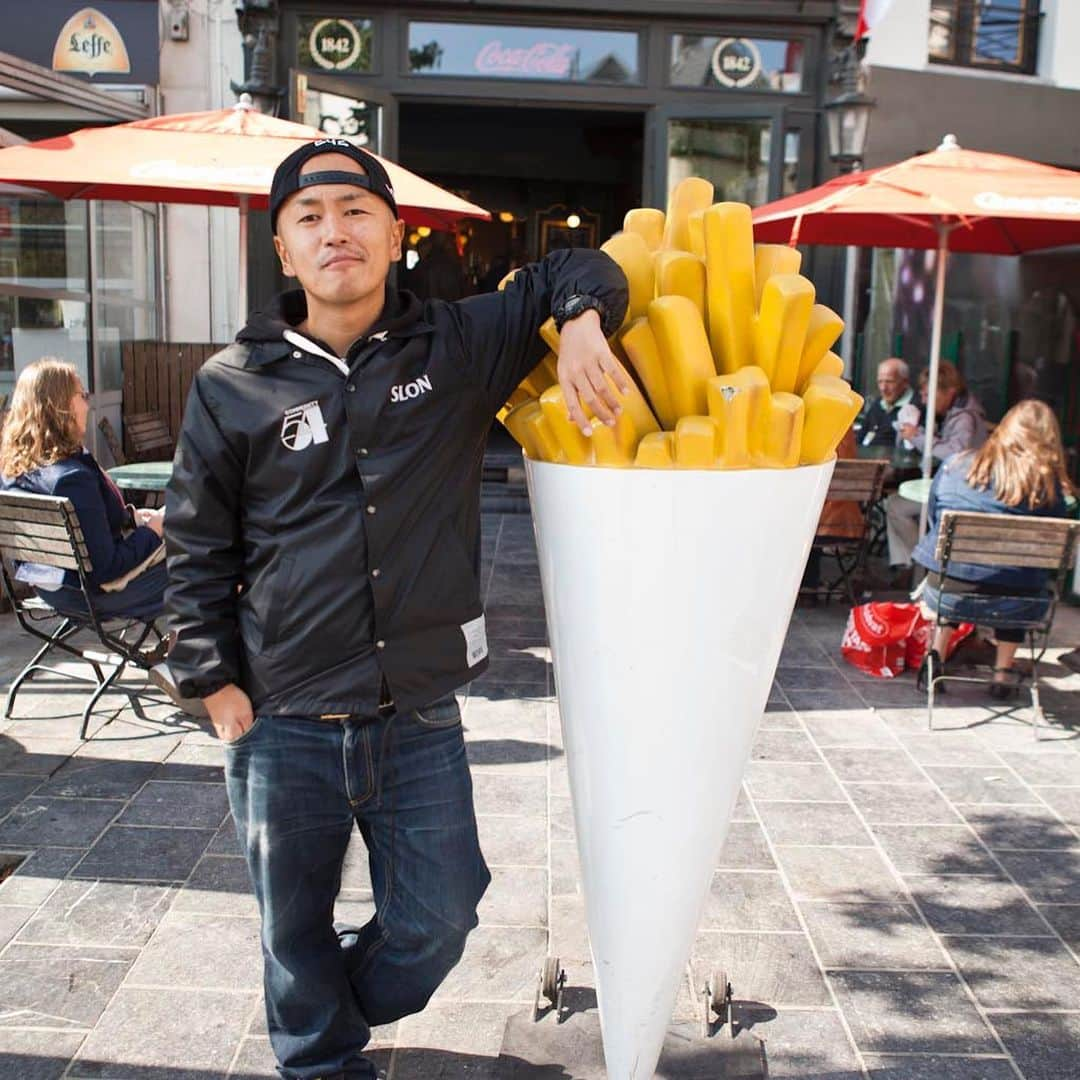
584	360
909	431
230	712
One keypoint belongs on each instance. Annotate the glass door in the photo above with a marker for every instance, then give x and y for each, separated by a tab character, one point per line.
345	108
751	154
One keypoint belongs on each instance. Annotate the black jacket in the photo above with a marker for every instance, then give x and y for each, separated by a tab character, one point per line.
346	506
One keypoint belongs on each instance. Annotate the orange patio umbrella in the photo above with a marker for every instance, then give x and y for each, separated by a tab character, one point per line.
951	200
225	157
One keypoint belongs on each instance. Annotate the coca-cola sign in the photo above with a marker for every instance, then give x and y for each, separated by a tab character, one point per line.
543	60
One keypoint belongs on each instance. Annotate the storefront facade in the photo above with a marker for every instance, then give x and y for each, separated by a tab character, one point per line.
559	119
77	278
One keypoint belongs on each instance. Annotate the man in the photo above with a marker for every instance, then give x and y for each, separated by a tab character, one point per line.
323	538
876	426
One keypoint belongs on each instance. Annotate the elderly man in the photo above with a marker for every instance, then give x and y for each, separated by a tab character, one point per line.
876	425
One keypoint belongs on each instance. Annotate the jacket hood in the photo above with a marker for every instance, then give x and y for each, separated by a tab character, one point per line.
401	311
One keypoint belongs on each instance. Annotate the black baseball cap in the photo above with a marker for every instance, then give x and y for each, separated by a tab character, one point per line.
287	178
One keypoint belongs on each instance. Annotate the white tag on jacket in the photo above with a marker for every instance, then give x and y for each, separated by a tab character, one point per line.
303	425
475	632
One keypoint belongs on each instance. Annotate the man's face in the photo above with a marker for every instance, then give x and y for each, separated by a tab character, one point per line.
337	240
890	383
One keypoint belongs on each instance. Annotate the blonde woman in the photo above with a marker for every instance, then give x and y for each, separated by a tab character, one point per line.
41	451
1019	470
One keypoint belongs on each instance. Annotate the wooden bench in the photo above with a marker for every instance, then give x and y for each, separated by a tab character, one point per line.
148	436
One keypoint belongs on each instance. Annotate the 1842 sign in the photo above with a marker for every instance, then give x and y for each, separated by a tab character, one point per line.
736	62
89	42
335	44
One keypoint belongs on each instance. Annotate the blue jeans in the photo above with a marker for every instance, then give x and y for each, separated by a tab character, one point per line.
142	598
986	609
296	786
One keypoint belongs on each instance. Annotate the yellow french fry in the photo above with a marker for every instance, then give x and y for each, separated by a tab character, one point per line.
514	420
534	387
678	273
783	432
639	343
615	446
656	451
830	364
740	405
574	444
729	264
518	397
550	334
535	424
770	259
635	410
696	442
508	278
648	223
684	348
824	328
693	193
831	406
780	328
695	226
632	254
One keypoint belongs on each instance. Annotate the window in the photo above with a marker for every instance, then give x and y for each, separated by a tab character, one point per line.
997	34
736	63
733	154
553	54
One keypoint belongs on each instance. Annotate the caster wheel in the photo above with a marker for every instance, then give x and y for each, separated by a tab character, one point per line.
549	984
718	997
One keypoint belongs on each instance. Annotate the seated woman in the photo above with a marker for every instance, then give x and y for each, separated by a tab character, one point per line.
963	427
1019	470
42	452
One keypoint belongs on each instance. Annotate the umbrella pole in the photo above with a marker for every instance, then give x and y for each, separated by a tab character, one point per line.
242	284
935	359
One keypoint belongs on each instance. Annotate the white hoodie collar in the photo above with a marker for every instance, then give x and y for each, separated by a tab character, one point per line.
294	337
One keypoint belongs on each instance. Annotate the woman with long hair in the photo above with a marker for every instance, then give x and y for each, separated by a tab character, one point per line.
1020	469
42	452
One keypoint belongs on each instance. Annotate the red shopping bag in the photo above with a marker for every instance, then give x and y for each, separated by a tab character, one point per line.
884	639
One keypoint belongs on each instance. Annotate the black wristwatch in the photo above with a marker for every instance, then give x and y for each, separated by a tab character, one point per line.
573	306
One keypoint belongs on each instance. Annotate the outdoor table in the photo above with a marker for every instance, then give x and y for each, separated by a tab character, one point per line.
142	475
917	490
899	459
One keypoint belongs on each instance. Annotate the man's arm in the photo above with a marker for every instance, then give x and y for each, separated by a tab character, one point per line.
205	563
500	331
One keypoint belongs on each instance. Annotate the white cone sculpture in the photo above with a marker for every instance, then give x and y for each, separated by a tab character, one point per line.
668	596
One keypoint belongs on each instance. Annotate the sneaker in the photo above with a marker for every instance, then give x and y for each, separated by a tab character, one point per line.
163	679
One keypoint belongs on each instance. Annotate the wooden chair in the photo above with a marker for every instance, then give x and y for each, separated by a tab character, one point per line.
857	482
1007	540
112	442
149	437
45	529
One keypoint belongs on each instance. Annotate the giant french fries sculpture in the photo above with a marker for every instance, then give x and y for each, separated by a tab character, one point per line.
671	546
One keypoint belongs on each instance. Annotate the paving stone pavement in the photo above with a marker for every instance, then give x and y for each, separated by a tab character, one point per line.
891	903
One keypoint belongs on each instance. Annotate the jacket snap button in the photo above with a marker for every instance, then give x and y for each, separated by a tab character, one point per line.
376	572
380	644
297	354
370	509
363	451
351	388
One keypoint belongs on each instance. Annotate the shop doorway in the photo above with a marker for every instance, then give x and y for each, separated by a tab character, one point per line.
550	177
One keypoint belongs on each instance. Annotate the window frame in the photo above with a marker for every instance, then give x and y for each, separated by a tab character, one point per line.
965	39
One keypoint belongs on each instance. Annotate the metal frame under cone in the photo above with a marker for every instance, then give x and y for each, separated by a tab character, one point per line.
668	597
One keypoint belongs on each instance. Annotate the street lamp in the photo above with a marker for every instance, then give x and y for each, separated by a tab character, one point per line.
847	117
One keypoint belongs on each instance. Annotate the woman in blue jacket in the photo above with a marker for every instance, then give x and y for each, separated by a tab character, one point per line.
1020	469
41	451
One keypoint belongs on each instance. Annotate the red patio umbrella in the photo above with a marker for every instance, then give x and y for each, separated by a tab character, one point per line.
225	157
951	199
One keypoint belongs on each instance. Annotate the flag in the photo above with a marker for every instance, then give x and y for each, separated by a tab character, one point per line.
871	12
